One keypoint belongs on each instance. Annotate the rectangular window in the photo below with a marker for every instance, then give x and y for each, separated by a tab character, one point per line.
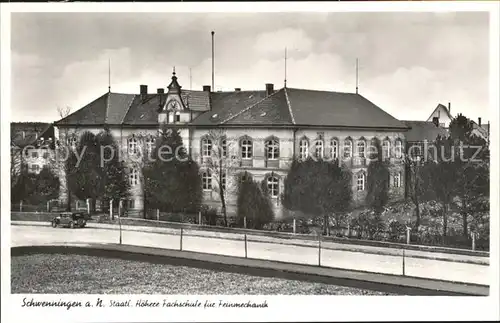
34	154
360	182
223	181
45	155
35	168
397	180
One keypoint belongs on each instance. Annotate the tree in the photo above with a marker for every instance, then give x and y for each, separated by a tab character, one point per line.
220	163
318	187
172	179
472	164
115	185
85	175
377	180
415	186
253	203
46	186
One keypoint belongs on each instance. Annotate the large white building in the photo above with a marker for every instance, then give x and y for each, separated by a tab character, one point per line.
265	128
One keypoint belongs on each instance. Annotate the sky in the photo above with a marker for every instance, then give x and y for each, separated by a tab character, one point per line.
408	62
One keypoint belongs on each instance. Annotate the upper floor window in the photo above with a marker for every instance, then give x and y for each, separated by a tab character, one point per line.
397	180
206	147
386	149
360	182
347	148
361	148
272	149
334	149
223	147
206	179
318	148
399	149
273	186
246	149
149	145
303	148
45	155
223	181
133	177
177	116
34	154
132	145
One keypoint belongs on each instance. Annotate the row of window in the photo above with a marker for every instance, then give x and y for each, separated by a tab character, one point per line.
34	154
272	181
272	148
319	149
361	181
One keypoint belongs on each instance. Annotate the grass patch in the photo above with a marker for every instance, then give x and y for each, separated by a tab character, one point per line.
77	274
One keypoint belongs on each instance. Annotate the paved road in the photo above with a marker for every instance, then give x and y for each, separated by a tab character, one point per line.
304	252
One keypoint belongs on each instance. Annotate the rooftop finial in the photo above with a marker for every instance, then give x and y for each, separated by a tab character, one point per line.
173	73
285	66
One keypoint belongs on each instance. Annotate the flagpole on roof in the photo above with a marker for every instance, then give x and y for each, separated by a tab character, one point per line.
285	66
357	80
109	75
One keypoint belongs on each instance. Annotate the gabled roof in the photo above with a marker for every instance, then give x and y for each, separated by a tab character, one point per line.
423	130
442	108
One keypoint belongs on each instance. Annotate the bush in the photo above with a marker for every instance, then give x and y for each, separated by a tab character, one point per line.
396	230
209	215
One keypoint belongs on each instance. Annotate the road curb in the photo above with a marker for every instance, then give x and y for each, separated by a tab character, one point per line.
358	279
325	247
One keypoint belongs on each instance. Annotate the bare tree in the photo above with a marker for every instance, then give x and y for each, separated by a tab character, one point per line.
219	158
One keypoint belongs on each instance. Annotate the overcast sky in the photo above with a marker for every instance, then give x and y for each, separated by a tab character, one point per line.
408	62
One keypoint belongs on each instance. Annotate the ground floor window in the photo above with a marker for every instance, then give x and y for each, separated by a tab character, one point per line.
273	186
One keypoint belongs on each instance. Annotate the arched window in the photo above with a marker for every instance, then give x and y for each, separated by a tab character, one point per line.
347	148
223	147
273	185
132	145
398	149
318	149
177	116
206	147
246	148
397	180
303	148
206	179
360	181
272	149
386	149
361	148
133	177
334	149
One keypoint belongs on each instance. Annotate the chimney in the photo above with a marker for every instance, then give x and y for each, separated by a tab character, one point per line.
160	91
269	88
144	91
435	120
479	121
449	107
237	89
206	88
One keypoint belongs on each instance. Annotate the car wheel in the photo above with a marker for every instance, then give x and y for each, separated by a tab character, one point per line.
54	224
72	225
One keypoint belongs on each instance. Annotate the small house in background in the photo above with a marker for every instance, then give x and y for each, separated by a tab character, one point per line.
32	144
442	115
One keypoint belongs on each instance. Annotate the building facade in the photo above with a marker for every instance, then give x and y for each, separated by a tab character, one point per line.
260	133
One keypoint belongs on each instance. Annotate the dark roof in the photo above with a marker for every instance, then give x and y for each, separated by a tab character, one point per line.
423	130
32	132
287	106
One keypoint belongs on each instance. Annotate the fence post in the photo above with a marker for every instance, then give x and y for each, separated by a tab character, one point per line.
76	205
181	238
158	215
120	224
348	229
111	209
294	226
88	205
246	252
20	206
245	222
199	218
408	229
473	241
319	249
119	208
403	262
48	206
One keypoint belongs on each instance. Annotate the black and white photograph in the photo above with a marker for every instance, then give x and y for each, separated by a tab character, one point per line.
182	155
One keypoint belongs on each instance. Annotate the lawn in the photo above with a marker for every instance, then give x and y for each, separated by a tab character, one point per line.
76	274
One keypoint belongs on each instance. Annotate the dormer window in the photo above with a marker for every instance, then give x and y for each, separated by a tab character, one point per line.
177	117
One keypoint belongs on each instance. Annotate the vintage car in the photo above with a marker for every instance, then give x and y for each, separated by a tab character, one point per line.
70	219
